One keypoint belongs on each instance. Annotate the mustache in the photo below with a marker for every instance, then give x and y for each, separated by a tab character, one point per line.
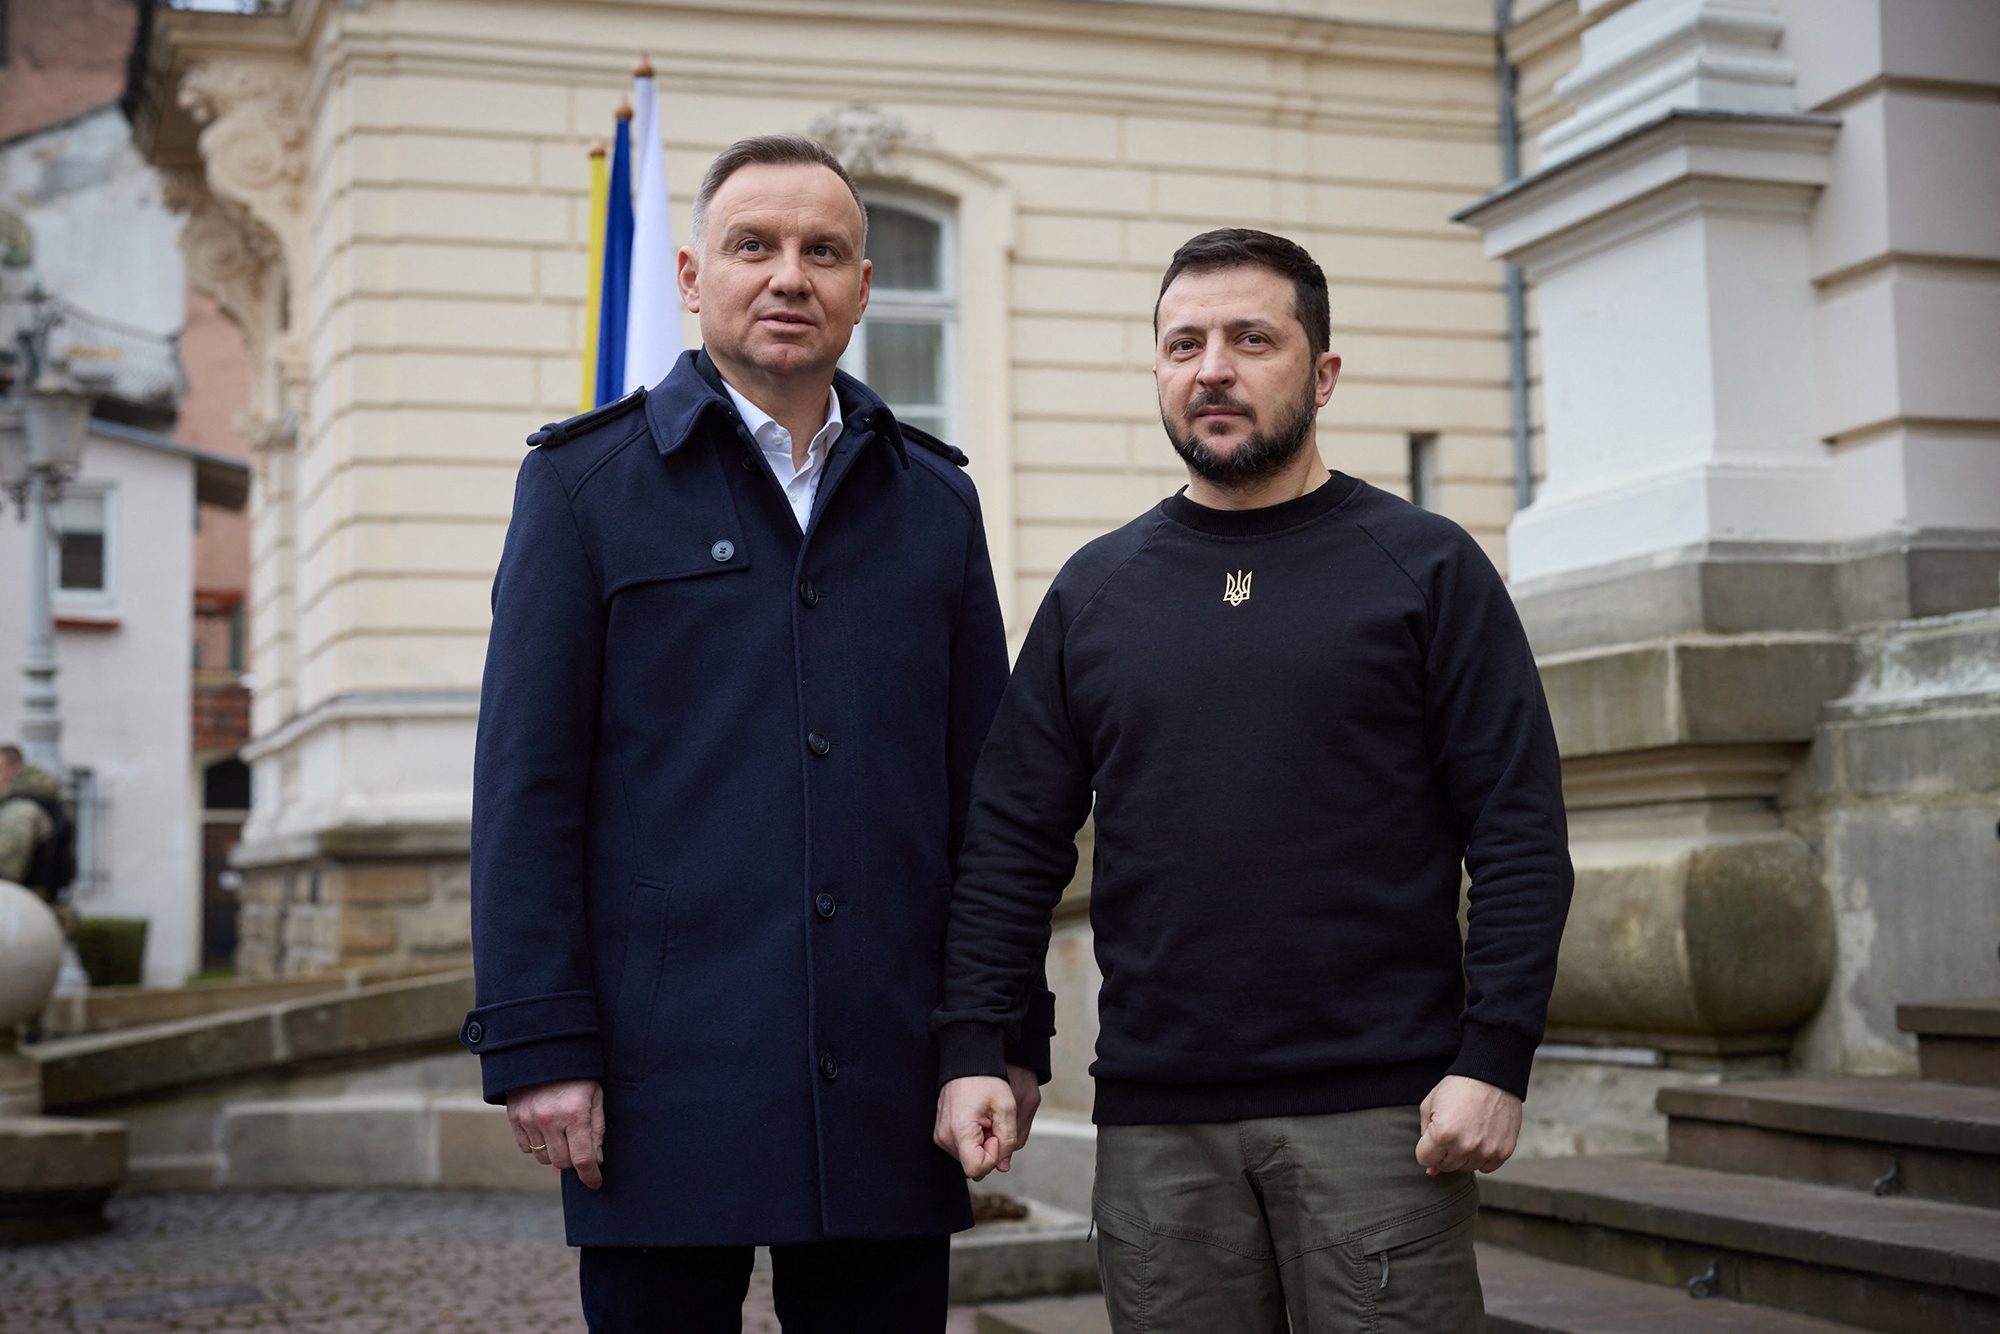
1215	398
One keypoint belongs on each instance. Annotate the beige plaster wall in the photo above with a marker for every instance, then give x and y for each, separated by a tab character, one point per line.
447	214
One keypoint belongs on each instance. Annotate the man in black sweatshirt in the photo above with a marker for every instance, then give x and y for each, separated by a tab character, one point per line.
1300	705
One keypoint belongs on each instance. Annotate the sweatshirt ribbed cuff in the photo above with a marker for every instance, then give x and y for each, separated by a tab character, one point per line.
1031	1051
971	1049
1497	1056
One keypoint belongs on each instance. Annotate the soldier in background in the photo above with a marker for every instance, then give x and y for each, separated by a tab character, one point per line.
37	848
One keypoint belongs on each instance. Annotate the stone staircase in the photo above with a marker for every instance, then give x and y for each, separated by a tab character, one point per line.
1869	1204
1782	1206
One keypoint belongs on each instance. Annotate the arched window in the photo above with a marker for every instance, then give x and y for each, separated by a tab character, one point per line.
905	349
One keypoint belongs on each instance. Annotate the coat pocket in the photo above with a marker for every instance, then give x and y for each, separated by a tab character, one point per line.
638	984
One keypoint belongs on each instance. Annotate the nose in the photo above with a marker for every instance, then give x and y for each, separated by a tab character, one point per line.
1216	371
788	276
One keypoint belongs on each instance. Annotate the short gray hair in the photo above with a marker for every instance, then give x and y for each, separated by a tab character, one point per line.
769	150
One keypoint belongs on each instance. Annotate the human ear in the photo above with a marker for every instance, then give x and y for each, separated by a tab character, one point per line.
687	274
1325	375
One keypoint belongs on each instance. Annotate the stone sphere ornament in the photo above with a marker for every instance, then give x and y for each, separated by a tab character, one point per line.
31	951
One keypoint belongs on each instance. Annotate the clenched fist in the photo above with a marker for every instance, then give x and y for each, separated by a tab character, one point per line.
1467	1126
981	1120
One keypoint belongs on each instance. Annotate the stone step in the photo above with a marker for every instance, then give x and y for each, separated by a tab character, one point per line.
372	1023
56	1172
1901	1266
1926	1140
1524	1295
101	1009
1045	1315
363	1141
1957	1041
1048	1252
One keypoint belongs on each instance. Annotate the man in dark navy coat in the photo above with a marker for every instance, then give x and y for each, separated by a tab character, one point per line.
745	649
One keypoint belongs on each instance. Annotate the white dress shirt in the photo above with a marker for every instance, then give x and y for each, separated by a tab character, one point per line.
801	484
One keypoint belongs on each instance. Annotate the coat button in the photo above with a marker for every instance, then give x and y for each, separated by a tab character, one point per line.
824	905
749	464
817	744
723	550
829	1067
473	1032
808	594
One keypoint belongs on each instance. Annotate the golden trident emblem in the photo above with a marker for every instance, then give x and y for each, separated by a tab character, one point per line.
1236	588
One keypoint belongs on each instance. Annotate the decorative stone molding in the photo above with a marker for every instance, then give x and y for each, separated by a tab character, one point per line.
229	252
865	139
253	137
1656	56
246	237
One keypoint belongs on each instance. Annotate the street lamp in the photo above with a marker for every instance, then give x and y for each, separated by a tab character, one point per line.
44	421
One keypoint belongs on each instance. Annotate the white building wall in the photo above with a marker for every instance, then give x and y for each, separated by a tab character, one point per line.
125	695
104	242
1906	257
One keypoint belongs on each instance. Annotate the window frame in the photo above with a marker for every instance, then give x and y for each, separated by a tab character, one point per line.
917	305
87	599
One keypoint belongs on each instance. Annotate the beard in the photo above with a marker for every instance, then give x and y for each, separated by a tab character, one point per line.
1264	454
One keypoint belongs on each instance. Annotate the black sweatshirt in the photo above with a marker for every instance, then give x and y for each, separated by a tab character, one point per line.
1297	723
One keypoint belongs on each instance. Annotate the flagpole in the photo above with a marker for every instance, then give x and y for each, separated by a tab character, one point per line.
653	316
593	301
617	280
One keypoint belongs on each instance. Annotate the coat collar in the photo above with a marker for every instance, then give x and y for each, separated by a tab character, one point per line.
693	390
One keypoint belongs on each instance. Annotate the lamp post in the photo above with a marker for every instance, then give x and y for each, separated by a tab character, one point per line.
43	424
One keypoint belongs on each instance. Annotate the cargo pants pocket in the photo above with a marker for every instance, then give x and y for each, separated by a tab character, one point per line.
1123	1270
1418	1275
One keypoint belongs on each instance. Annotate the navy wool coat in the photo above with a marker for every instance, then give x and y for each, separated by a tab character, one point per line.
721	779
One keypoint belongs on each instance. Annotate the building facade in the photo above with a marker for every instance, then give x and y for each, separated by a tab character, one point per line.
1764	238
390	197
1757	239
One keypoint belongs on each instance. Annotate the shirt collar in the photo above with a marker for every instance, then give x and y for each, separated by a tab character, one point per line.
675	406
760	423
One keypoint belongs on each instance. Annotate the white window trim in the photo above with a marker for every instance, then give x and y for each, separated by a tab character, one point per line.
93	600
939	305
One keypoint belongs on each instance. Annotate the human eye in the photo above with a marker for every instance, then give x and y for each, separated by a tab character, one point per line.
750	245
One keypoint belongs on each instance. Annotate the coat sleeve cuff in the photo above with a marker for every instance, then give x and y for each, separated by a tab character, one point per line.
1497	1056
539	1062
534	1040
1038	1025
971	1049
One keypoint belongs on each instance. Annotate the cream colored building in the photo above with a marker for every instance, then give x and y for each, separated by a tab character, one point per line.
389	195
1758	236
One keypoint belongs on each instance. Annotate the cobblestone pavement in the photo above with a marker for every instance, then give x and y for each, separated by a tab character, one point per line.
342	1262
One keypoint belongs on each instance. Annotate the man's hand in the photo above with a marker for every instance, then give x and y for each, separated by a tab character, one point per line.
562	1124
981	1120
1467	1126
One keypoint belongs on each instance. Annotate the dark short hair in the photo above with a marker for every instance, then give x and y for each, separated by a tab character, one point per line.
1233	247
12	753
770	150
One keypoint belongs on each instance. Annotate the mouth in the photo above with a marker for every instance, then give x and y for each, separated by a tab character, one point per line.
1215	416
785	319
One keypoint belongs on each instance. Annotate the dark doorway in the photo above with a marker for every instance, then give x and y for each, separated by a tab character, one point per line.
225	804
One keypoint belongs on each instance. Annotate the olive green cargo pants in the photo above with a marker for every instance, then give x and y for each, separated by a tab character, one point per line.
1312	1224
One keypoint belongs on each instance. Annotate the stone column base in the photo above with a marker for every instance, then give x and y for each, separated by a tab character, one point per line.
377	910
